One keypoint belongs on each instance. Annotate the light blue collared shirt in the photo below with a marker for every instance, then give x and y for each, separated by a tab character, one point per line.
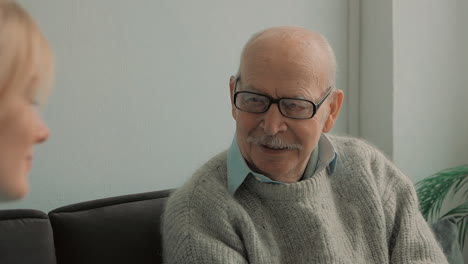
324	155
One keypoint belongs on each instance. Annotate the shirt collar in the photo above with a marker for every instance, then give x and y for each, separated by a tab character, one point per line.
238	170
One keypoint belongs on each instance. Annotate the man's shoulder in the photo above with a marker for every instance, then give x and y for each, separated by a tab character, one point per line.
354	147
355	154
360	158
207	182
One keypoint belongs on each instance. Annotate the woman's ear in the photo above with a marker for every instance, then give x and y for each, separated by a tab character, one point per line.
336	101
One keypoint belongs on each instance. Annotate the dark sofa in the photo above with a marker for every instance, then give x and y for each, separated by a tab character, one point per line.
123	229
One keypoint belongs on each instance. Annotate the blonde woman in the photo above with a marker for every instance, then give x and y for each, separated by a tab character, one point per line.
26	71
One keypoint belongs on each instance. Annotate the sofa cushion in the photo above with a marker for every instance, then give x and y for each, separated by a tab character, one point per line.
123	229
446	233
26	237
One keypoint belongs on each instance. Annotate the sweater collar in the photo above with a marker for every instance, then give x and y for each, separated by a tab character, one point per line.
323	156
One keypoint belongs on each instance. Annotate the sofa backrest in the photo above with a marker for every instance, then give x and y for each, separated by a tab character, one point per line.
123	229
26	237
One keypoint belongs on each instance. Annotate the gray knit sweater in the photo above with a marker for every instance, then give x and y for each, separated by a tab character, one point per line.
365	212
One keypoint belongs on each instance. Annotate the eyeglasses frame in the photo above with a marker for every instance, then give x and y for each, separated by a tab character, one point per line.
277	100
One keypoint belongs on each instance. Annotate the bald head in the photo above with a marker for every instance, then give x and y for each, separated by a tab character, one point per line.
303	50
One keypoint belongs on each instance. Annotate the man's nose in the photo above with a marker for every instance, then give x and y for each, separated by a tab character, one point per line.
273	121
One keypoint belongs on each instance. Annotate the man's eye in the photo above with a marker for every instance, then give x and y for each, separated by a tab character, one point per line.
291	105
252	100
294	106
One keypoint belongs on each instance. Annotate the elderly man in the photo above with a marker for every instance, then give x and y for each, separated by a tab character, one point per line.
285	192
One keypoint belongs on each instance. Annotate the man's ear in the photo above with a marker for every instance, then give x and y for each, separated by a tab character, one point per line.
335	107
232	86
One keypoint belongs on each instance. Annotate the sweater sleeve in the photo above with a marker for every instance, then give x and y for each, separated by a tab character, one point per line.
196	229
408	234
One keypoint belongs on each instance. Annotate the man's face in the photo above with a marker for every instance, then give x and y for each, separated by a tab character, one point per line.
260	135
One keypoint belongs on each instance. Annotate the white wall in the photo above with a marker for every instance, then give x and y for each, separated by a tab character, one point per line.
414	82
430	85
141	98
376	74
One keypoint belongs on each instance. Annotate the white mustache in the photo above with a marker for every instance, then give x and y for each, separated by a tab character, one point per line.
273	142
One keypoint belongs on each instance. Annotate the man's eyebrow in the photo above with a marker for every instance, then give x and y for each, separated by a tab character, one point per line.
251	88
248	87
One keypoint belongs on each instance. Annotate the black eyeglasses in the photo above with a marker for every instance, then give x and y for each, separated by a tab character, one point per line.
289	107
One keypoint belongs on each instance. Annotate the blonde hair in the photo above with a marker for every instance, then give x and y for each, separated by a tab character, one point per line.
25	55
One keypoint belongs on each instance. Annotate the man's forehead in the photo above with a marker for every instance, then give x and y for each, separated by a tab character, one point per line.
273	50
287	38
287	89
288	53
286	34
261	72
